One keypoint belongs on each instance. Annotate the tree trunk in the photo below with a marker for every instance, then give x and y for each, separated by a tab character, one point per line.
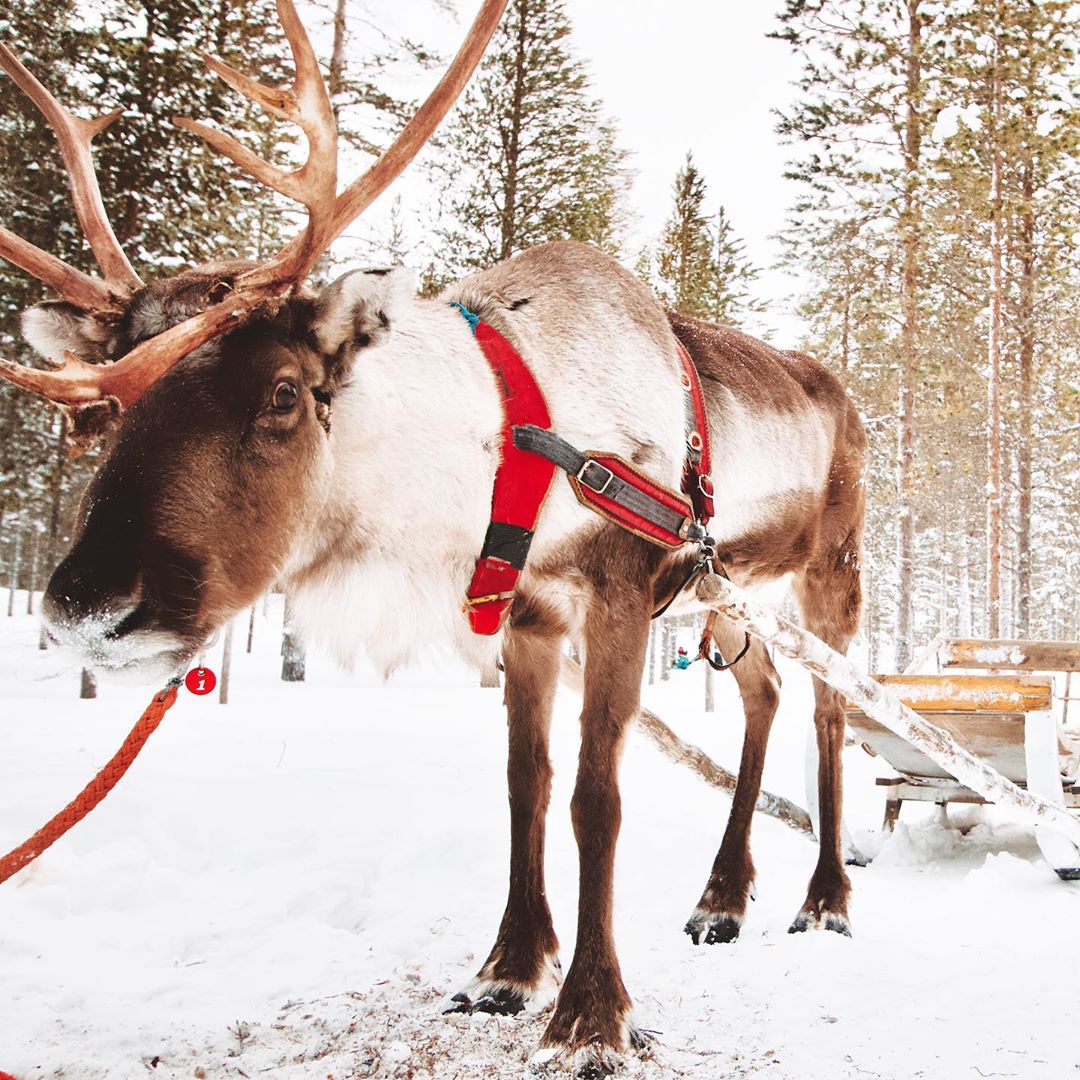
226	664
13	580
31	581
909	338
87	684
251	626
292	650
993	420
56	492
1027	382
508	230
964	602
337	56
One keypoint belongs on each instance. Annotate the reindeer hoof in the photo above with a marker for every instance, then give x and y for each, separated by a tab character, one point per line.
591	1062
503	996
715	929
807	920
502	1001
594	1063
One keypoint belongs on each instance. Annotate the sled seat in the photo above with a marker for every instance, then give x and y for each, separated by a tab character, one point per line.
1005	720
1004	654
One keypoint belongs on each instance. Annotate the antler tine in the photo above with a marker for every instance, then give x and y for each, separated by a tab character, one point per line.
75	382
298	257
360	194
88	293
307	104
74	136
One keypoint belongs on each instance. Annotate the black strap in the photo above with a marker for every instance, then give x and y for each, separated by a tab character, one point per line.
507	542
601	480
694	570
722	664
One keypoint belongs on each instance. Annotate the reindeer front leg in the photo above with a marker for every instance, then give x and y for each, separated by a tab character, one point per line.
522	971
591	1023
719	914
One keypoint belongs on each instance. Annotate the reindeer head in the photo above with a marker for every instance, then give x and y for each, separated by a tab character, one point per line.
221	379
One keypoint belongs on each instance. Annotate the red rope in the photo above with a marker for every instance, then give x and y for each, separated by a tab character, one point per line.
94	792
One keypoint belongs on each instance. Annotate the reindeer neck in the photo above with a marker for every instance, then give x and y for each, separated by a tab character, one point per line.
412	452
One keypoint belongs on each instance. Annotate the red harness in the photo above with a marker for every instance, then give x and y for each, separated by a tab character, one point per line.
606	483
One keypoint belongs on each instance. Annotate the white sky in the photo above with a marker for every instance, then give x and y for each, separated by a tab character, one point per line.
700	75
683	75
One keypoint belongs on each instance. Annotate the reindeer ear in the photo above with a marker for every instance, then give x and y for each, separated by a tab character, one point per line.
360	308
55	327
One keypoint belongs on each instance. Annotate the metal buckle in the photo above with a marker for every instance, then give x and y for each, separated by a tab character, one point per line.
490	598
595	465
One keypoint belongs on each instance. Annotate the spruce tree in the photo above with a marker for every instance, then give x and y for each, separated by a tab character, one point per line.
865	108
701	266
528	155
685	266
728	292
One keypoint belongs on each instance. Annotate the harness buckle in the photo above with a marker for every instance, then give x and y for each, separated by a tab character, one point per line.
601	470
490	598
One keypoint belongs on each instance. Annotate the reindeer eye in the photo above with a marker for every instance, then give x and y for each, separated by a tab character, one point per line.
285	396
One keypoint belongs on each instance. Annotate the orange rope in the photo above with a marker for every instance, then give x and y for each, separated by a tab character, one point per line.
96	790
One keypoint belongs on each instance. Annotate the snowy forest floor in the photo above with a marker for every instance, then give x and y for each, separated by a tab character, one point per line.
294	884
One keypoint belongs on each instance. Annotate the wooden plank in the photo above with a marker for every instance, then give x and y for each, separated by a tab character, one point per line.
1010	655
909	791
972	693
997	738
944	792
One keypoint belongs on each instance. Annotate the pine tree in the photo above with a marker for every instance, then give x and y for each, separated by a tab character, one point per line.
728	291
685	266
528	156
701	266
864	110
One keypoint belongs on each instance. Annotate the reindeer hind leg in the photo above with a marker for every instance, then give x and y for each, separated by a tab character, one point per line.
829	597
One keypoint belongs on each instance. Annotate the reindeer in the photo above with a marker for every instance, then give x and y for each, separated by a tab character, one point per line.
345	442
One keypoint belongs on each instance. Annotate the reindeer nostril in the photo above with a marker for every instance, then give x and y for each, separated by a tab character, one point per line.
126	621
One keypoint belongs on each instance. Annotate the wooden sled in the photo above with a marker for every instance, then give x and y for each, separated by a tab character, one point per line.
1006	721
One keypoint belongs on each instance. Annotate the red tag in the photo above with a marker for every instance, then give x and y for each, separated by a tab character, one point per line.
200	680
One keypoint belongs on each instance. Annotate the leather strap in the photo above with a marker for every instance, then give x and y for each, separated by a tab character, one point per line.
697	478
605	483
522	481
613	487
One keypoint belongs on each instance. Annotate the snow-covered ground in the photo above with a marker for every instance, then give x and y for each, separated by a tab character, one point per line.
294	884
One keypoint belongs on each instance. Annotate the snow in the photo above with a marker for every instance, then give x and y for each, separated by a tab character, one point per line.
294	884
1002	654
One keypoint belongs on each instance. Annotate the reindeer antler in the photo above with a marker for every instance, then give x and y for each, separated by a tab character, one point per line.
314	185
307	104
74	136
